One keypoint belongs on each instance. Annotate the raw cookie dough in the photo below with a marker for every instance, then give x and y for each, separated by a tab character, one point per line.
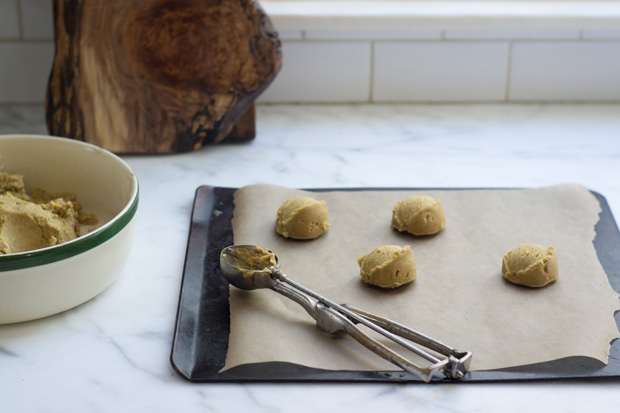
531	265
251	260
388	266
419	215
302	218
38	220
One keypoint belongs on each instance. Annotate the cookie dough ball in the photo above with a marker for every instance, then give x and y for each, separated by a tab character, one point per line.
388	266
251	260
302	218
419	215
531	265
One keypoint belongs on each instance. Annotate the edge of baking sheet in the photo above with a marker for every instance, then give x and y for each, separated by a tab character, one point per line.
202	326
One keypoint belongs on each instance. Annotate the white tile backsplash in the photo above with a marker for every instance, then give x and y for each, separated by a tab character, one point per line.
322	72
9	20
373	34
601	34
25	79
510	34
394	63
569	71
446	71
290	34
37	17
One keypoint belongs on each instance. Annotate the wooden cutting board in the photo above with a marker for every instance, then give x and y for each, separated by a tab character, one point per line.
159	76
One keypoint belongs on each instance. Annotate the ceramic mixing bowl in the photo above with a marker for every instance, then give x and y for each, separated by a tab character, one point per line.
50	280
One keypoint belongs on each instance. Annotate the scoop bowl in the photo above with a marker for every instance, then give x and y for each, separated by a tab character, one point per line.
244	273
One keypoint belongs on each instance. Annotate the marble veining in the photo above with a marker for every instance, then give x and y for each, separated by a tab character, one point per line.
112	353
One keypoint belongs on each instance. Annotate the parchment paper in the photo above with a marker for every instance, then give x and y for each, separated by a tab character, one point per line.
459	296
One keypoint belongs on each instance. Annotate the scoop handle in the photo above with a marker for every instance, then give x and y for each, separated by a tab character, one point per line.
451	366
333	322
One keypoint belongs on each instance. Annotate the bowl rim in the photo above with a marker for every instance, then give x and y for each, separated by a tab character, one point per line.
83	243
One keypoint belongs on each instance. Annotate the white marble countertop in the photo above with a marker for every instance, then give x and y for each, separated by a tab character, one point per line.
112	353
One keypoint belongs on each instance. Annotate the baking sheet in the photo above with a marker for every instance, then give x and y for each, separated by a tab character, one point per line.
201	335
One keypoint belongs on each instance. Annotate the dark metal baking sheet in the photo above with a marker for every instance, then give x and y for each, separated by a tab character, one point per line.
203	318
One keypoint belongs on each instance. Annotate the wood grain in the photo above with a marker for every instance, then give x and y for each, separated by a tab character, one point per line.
159	76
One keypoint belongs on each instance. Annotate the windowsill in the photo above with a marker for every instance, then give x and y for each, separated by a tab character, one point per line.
443	15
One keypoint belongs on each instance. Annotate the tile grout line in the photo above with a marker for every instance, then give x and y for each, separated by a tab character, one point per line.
371	83
25	41
20	20
508	72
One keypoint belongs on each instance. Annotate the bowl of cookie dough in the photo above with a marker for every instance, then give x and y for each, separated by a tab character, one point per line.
67	218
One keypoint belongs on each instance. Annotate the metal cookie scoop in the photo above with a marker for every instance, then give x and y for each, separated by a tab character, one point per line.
249	267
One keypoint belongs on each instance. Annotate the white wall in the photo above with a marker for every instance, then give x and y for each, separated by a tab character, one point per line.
449	66
443	64
26	50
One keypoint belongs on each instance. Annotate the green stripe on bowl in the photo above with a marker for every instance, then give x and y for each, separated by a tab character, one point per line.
72	248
